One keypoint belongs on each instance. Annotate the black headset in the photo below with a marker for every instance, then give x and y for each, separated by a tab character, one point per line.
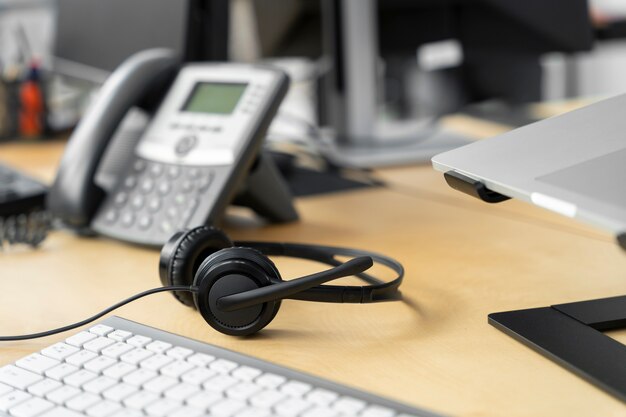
237	289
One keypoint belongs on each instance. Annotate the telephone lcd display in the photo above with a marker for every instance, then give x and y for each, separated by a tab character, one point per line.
218	98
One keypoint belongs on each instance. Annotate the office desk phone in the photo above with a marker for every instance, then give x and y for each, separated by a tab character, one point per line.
190	161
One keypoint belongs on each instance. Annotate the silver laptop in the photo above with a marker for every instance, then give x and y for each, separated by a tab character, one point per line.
573	164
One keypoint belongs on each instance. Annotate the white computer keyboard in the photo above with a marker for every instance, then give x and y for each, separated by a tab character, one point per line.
124	369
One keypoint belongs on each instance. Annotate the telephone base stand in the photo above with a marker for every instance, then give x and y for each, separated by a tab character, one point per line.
571	335
266	192
390	153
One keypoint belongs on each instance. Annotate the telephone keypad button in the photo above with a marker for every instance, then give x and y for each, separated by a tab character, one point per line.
137	201
171	212
186	186
121	198
145	222
130	181
180	199
156	169
166	226
110	216
147	185
193	172
173	171
164	188
154	204
128	219
139	165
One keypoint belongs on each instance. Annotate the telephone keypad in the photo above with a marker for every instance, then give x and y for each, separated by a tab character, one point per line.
139	165
157	198
130	181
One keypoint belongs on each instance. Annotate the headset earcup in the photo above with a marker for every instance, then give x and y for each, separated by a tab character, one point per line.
231	271
184	252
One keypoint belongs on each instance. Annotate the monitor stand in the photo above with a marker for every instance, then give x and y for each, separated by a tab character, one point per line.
350	92
571	335
417	148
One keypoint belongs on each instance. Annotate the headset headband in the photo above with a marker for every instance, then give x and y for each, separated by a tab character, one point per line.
377	290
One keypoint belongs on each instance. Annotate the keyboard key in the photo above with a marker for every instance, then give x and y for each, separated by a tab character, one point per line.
118	370
5	389
139	341
101	329
270	380
162	407
82	401
37	363
246	373
158	347
348	405
120	335
41	388
203	400
226	408
188	412
267	398
97	385
320	411
140	399
179	352
181	392
31	408
99	363
59	351
291	407
103	409
116	350
128	413
61	371
139	377
118	392
160	384
177	368
223	366
81	357
242	391
10	400
156	362
377	411
62	394
200	359
198	376
254	412
220	383
98	344
321	396
17	377
79	378
295	388
61	412
135	356
80	339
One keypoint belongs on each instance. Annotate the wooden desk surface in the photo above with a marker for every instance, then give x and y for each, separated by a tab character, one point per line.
464	259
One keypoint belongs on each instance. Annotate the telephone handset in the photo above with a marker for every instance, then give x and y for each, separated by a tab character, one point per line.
198	153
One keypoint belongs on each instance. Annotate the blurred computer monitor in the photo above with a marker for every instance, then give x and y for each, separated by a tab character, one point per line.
500	42
94	36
